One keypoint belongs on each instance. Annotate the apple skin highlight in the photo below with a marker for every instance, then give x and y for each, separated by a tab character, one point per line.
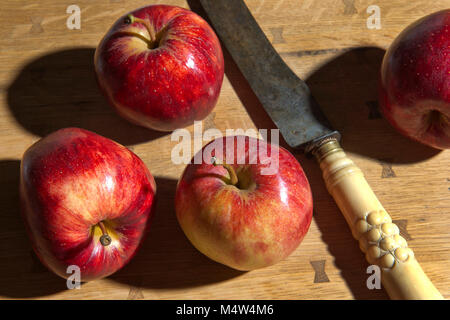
254	224
72	180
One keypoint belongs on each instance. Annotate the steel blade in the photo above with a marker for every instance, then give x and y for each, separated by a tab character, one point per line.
284	96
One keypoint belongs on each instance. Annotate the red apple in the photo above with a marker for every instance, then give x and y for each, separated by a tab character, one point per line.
86	201
160	67
415	81
252	222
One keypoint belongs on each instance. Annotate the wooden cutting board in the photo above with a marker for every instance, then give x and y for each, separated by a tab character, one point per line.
46	78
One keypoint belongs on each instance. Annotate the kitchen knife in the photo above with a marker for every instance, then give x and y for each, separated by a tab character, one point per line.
288	101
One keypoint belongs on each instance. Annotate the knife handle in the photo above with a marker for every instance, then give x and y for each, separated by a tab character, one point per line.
379	238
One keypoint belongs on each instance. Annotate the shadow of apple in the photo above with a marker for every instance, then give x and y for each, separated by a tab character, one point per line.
346	88
167	259
59	90
21	273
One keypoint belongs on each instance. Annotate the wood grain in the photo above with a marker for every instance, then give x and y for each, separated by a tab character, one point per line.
46	81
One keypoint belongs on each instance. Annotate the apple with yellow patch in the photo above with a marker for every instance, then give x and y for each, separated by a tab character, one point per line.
86	201
247	205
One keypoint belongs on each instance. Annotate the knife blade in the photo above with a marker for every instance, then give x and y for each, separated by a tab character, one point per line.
289	103
284	96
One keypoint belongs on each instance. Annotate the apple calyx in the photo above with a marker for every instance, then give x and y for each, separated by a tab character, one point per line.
233	177
152	43
105	239
436	117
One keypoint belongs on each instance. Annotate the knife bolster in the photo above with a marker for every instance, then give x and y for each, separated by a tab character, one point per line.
379	238
314	145
326	147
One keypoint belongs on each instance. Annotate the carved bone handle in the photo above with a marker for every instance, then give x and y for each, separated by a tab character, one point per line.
379	238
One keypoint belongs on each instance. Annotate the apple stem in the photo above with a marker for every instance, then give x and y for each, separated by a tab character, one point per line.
131	19
231	171
105	239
